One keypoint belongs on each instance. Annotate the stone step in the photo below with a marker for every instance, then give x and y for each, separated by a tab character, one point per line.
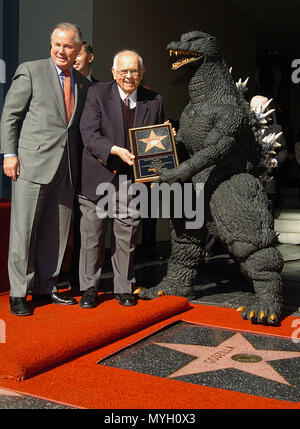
284	213
288	238
287	225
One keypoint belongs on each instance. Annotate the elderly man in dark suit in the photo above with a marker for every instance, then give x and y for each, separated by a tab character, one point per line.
111	109
40	139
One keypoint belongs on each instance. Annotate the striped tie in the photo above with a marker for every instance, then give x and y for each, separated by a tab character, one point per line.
127	101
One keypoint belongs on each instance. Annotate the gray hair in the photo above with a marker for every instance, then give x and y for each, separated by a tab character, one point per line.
69	26
140	60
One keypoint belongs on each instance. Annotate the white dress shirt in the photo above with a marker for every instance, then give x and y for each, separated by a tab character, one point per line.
132	97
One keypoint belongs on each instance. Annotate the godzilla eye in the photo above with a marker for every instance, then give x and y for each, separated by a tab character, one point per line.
193	39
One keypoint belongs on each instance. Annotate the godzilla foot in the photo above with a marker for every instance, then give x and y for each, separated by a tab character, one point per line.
165	288
266	313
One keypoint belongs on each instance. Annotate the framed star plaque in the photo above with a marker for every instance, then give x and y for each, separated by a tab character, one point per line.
154	149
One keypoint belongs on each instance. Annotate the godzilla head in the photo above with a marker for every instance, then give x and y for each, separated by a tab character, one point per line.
192	49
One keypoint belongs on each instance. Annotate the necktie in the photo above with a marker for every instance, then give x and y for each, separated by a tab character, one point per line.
68	95
127	101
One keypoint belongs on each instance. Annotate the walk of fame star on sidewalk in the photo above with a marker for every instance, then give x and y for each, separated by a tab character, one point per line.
226	355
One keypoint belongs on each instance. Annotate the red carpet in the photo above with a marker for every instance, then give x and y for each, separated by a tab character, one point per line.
4	222
82	383
56	333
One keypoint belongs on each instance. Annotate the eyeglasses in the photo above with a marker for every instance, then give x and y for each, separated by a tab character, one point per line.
124	73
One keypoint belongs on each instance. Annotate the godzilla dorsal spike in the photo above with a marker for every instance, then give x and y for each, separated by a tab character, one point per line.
266	105
245	82
269	112
262	121
267	138
272	163
242	86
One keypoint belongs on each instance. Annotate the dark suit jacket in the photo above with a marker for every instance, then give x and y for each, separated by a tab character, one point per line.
94	81
102	127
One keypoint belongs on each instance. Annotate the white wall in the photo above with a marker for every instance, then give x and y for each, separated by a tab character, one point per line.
39	17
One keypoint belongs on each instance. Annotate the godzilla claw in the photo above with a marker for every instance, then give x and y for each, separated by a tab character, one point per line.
148	294
259	315
165	289
262	315
252	314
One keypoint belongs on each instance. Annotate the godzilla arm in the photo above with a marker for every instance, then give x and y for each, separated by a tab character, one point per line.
218	143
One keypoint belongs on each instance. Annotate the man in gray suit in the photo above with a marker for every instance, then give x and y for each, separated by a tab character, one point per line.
39	139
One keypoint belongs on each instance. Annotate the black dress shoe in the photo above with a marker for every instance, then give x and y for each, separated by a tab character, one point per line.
19	306
55	298
126	299
89	299
60	298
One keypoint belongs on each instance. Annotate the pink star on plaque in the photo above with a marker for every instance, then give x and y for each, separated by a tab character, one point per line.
235	352
154	141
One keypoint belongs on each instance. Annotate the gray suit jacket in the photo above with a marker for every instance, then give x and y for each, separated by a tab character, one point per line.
33	123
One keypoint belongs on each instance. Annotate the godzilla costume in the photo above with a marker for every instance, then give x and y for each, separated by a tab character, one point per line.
216	128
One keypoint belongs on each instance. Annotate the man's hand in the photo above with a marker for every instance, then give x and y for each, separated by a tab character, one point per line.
123	153
11	167
173	129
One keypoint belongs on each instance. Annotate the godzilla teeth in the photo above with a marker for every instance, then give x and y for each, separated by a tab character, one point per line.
182	52
186	57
